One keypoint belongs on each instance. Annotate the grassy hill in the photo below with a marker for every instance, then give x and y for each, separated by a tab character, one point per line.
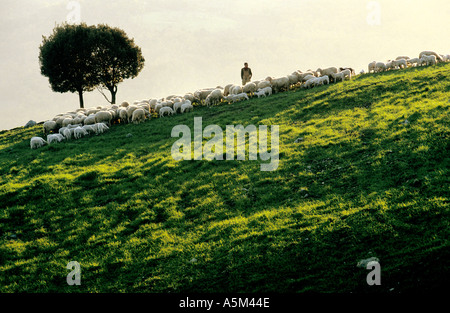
369	179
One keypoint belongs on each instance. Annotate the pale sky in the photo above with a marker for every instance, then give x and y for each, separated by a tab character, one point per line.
193	44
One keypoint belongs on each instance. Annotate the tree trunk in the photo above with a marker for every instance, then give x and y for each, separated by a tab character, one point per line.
113	90
80	96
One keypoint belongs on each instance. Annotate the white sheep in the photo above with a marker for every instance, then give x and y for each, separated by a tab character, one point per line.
429	53
138	116
89	128
186	107
214	97
413	62
90	120
103	117
380	67
235	89
310	82
263	84
428	60
37	142
68	133
49	126
166	111
100	128
280	83
79	132
240	96
322	80
400	63
226	89
327	71
264	92
54	138
249	88
371	67
338	76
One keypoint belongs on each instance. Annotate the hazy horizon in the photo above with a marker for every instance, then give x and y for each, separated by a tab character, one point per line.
188	45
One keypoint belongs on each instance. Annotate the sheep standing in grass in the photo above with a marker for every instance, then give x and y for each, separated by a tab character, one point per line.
429	60
54	138
103	117
371	67
413	62
380	67
186	107
214	97
401	63
280	84
249	88
37	142
138	116
100	128
267	91
322	80
166	111
49	126
430	53
79	132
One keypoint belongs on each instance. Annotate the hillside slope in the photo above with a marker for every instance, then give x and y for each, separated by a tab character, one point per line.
369	179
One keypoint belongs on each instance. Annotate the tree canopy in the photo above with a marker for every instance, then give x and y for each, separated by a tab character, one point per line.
79	58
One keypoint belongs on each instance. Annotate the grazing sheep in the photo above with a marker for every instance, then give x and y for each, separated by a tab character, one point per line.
401	63
100	128
214	97
49	126
327	71
37	142
429	53
267	91
240	96
138	116
263	84
89	128
103	117
226	90
413	62
371	67
249	88
166	111
79	132
186	107
352	71
337	76
428	60
235	89
90	120
280	84
310	82
68	133
322	80
380	67
54	138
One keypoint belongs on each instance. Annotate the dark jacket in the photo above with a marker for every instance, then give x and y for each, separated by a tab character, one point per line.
248	70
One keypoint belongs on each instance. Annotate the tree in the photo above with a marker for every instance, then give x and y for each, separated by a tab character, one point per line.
117	58
66	59
79	58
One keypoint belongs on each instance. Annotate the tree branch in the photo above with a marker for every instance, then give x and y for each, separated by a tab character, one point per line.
101	91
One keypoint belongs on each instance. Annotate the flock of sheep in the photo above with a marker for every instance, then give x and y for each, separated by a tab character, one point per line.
96	120
425	58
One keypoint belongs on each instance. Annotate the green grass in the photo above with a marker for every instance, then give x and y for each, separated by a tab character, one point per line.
362	183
